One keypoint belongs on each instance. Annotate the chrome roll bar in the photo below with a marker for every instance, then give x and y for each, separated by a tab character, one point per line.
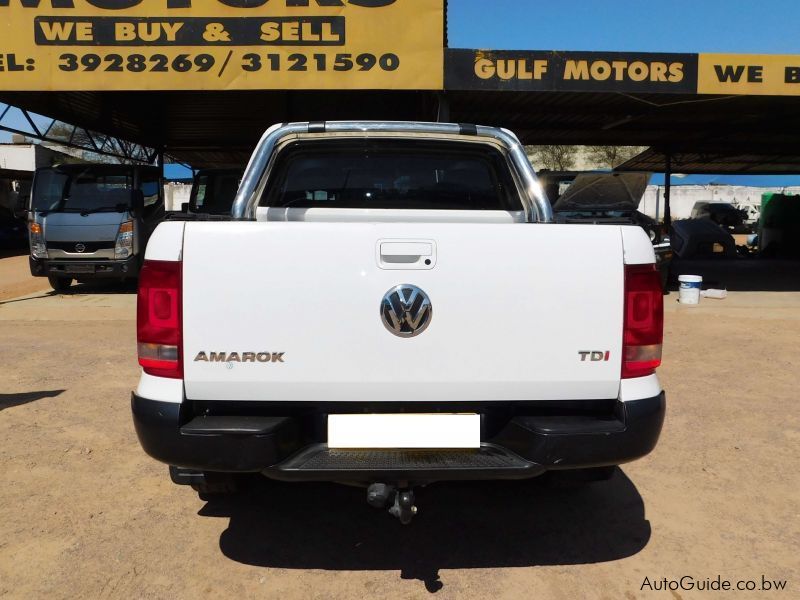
537	207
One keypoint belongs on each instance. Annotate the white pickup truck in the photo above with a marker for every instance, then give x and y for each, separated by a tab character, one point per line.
390	304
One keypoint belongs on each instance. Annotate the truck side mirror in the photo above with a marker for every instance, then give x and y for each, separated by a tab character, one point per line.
138	202
184	207
21	208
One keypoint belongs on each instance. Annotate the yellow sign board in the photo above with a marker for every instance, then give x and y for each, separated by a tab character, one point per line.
773	75
61	45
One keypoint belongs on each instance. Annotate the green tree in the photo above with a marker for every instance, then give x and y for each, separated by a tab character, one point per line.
610	157
553	157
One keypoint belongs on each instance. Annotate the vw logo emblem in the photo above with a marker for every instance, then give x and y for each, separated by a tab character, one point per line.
79	247
406	310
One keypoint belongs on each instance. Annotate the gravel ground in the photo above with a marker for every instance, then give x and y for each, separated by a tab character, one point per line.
87	514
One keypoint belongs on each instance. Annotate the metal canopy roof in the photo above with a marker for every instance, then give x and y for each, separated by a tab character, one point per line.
757	123
751	163
756	134
220	128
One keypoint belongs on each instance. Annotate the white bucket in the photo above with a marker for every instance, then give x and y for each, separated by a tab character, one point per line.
690	288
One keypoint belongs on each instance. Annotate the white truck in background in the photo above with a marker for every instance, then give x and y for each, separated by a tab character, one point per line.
390	304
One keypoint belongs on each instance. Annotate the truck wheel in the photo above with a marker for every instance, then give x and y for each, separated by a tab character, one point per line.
59	284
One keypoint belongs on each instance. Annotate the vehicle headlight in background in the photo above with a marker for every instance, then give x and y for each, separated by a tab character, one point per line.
38	247
124	246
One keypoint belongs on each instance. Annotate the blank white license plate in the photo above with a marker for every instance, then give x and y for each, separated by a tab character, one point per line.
404	431
79	268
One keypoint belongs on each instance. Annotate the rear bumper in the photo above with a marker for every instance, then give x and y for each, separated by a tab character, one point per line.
116	269
519	440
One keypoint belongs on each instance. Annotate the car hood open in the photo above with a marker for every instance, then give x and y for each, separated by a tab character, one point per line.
603	192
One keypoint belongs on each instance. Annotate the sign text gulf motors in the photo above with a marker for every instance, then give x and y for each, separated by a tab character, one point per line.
221	44
626	72
570	71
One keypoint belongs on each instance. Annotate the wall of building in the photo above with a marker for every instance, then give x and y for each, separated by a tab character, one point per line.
176	194
29	157
18	157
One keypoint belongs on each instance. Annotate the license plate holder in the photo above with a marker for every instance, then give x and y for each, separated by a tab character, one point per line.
79	269
404	431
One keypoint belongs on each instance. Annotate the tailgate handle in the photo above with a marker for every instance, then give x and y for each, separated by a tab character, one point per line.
400	254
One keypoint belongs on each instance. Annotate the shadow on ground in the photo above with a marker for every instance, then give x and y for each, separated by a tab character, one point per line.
741	274
27	298
7	252
460	525
84	289
11	400
101	286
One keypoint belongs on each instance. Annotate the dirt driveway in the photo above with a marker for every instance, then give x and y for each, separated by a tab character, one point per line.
15	276
85	514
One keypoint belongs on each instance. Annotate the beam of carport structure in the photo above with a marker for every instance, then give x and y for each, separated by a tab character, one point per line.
55	131
218	128
730	122
719	160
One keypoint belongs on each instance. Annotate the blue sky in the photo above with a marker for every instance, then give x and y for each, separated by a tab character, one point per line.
747	26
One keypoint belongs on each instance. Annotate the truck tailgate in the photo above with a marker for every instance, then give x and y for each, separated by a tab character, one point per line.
513	308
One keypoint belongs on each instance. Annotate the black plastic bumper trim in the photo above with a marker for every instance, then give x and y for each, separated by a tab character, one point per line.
282	447
576	442
232	425
120	269
170	435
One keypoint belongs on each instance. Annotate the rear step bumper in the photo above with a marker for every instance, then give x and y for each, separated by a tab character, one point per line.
320	463
290	448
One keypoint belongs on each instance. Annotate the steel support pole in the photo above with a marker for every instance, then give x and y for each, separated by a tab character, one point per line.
443	108
160	162
667	189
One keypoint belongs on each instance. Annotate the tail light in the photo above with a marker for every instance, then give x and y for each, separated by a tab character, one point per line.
159	319
643	325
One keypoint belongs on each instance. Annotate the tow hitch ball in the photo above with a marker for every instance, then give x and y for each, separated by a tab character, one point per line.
400	502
